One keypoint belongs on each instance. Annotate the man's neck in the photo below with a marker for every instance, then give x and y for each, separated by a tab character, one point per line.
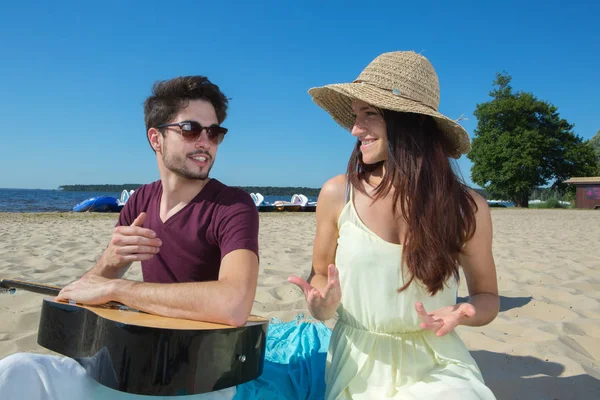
178	191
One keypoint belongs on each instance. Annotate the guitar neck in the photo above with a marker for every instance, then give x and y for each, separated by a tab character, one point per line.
30	286
51	290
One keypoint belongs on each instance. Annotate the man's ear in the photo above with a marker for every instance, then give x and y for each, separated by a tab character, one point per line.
154	136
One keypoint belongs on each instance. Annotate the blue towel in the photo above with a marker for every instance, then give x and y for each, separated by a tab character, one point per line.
294	362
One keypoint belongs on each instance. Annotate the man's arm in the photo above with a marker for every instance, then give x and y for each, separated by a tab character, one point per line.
228	300
128	244
102	268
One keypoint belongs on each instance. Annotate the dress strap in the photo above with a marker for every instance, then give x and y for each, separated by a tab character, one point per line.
347	191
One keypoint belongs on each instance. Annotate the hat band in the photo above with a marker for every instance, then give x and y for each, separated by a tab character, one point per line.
396	92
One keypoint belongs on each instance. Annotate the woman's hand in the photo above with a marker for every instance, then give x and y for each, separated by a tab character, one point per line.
444	320
321	303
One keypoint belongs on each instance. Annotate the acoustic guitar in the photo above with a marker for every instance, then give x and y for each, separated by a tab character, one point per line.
136	352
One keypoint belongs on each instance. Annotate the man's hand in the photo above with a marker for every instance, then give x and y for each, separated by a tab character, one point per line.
321	304
131	243
444	320
89	290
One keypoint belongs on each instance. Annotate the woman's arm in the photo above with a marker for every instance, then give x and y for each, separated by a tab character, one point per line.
477	262
323	293
329	205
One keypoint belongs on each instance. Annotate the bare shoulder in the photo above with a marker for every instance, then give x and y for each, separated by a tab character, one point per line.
332	196
483	217
334	190
483	207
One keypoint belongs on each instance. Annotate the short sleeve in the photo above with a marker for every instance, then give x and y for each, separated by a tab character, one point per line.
129	211
238	224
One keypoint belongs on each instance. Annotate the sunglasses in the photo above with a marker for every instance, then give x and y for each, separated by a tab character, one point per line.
191	131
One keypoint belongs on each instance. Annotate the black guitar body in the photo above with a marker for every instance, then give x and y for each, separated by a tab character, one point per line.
149	360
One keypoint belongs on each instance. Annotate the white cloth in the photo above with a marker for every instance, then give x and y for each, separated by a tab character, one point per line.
25	376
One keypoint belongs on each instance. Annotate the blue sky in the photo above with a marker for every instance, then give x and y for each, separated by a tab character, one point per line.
74	75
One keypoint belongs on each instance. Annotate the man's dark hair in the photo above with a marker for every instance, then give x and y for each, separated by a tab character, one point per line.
169	97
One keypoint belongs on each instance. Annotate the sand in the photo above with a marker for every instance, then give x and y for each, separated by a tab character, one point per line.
544	344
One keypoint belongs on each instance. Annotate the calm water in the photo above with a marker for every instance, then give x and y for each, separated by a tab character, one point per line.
37	200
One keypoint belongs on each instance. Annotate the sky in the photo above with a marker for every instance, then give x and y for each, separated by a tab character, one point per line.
74	76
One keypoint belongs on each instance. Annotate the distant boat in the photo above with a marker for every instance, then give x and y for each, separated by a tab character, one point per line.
500	203
299	199
281	205
257	198
261	205
297	203
99	204
311	206
305	205
266	208
103	203
125	196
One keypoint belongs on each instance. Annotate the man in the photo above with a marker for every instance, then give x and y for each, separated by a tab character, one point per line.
196	238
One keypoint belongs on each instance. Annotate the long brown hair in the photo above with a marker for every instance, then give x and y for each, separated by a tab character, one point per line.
438	210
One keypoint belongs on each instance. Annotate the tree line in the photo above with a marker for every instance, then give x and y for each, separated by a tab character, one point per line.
100	188
264	190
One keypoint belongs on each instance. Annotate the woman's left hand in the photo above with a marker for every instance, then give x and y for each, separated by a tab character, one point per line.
444	320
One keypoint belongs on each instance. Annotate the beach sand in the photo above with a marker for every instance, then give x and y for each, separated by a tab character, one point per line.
544	344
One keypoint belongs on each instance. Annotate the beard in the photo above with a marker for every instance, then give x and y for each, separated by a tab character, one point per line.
178	165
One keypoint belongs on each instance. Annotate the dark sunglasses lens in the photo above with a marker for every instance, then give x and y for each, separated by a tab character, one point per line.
216	133
193	130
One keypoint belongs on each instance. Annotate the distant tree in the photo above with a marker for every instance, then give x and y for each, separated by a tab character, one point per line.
264	190
282	190
100	188
521	143
579	160
595	144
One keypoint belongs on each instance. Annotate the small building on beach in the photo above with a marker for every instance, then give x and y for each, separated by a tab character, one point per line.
587	191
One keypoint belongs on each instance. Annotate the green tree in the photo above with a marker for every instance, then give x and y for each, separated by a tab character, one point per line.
595	144
521	143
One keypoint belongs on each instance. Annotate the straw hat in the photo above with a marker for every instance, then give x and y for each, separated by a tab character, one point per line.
400	81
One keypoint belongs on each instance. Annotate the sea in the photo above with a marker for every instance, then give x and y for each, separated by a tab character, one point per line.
43	200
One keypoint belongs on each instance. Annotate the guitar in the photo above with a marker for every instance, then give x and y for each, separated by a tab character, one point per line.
136	352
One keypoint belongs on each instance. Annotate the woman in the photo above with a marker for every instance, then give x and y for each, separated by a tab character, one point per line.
391	234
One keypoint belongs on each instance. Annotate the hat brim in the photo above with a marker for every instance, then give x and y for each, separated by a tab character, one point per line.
336	99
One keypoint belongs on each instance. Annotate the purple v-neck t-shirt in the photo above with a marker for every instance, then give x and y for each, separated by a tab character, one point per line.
219	220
